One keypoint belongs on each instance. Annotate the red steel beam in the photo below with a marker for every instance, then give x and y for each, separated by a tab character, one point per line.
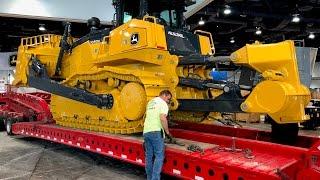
28	105
42	95
245	133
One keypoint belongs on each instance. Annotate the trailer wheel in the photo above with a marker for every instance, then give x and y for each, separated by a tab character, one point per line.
2	124
284	133
8	126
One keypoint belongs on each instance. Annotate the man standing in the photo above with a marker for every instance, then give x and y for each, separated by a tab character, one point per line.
154	125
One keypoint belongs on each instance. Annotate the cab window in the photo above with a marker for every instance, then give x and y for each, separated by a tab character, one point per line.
169	16
127	17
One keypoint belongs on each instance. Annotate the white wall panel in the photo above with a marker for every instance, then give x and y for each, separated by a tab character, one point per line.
77	10
4	61
72	10
316	75
316	70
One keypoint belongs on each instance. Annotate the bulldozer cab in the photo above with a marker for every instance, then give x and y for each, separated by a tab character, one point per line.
168	12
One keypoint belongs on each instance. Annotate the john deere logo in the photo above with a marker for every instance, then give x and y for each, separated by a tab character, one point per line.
134	38
13	60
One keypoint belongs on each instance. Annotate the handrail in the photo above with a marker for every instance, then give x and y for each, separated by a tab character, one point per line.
149	17
208	35
37	40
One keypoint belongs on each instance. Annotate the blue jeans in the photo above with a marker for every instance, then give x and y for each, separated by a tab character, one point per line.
154	147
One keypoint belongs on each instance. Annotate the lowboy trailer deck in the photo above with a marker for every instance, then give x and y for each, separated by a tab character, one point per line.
209	151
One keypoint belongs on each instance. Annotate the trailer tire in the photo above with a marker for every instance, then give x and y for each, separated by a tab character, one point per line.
2	126
8	126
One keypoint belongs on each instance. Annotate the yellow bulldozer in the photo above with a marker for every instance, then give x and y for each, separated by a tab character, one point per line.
103	80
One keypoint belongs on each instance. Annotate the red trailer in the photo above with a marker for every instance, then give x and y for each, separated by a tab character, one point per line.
209	151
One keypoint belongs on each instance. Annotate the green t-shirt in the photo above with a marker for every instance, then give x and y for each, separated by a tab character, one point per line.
155	107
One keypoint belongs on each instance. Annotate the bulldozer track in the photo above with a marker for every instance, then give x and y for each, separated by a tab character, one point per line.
94	122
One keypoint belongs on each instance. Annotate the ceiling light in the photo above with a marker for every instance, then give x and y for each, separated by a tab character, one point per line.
311	35
42	27
295	18
232	40
258	31
201	22
227	10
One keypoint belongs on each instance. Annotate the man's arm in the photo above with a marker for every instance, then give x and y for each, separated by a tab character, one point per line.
164	123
